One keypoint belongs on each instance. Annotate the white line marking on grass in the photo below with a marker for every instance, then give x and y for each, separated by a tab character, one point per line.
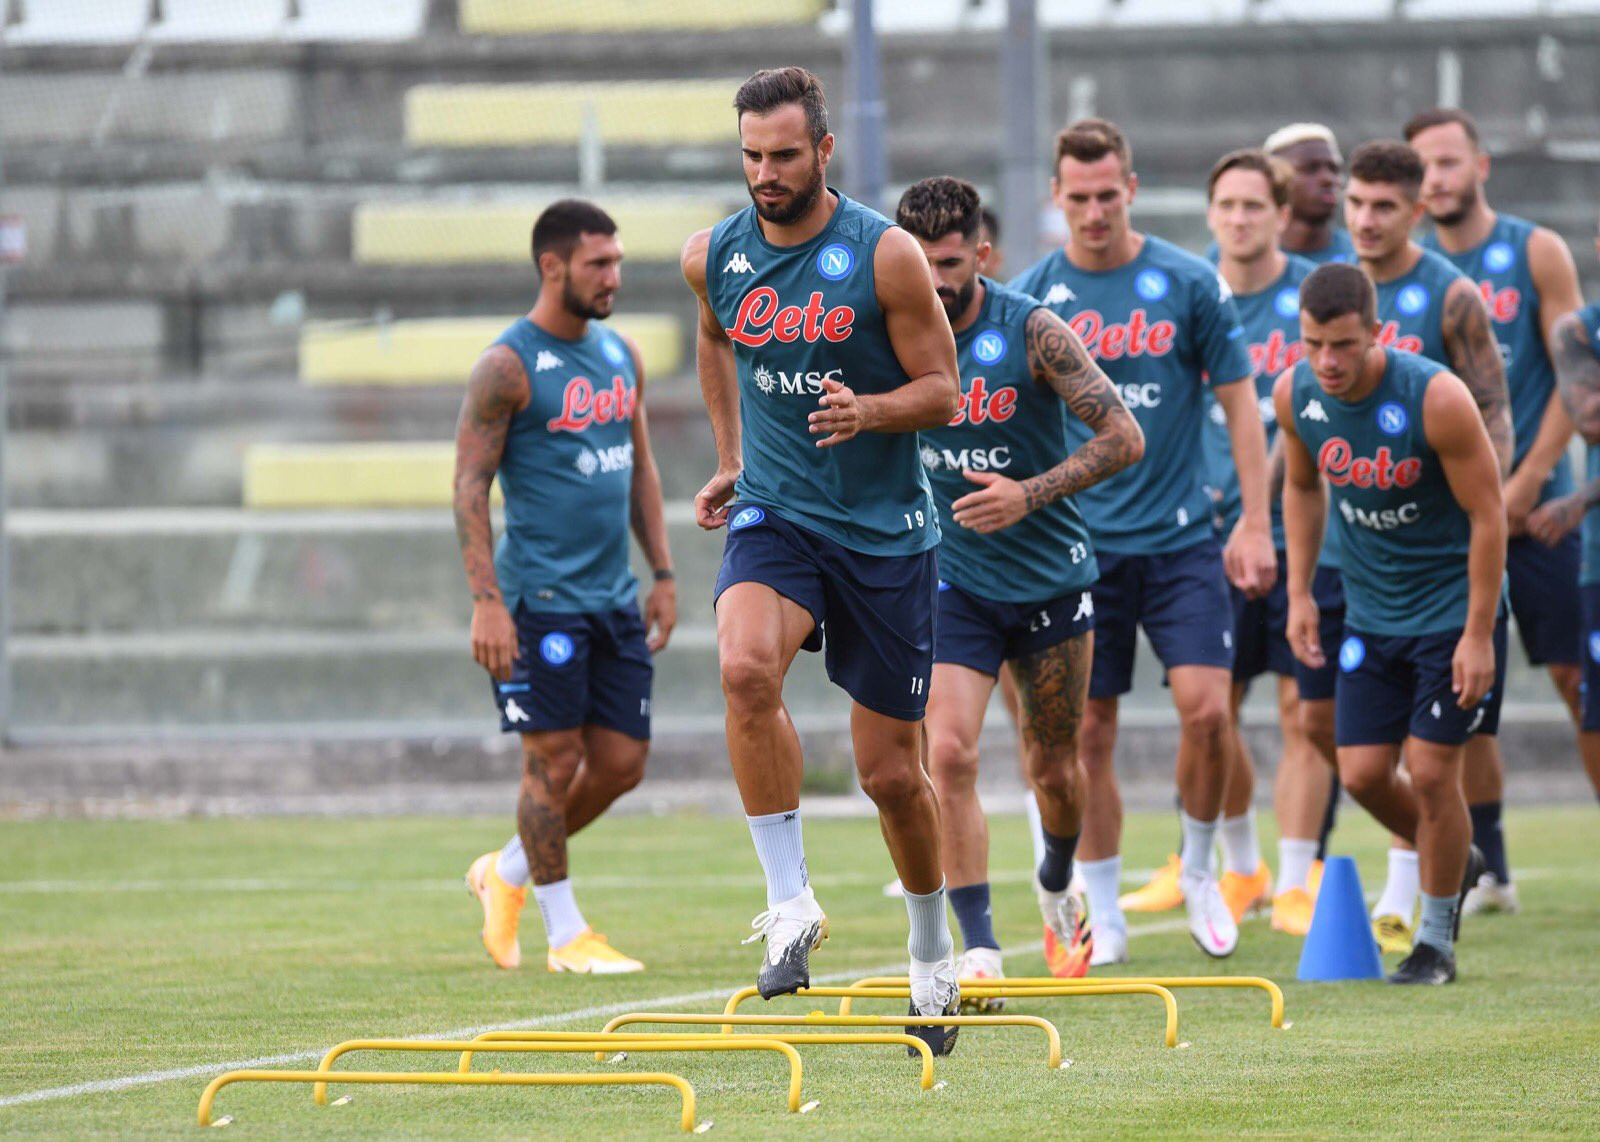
127	1082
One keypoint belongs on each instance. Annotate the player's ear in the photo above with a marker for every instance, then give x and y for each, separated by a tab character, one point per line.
825	148
1483	166
1133	185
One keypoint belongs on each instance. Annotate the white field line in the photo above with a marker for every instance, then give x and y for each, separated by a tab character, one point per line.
127	1082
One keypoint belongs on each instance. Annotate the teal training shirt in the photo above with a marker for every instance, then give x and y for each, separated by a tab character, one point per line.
1405	538
567	474
1590	316
797	315
1499	266
1158	326
1411	308
1011	424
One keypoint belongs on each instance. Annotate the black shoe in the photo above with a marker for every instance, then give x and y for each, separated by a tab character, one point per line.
941	1040
792	931
941	993
1426	965
1476	867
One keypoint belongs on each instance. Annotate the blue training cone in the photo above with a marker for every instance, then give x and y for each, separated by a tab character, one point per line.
1340	944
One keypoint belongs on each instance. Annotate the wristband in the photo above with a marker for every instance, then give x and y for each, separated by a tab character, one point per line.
664	574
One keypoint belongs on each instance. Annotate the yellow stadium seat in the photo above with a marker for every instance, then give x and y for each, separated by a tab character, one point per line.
524	114
346	475
532	17
434	351
461	233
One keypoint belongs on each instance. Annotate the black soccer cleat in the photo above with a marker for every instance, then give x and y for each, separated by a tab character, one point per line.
1476	867
1425	965
941	1038
935	990
792	931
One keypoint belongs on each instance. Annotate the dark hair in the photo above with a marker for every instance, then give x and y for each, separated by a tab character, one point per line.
1335	289
991	223
937	206
1275	171
1438	117
1389	161
769	90
562	224
1090	140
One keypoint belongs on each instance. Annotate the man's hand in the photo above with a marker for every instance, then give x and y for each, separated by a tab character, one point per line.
494	638
660	614
1521	493
841	414
1472	670
998	504
711	504
1304	631
1554	520
1249	560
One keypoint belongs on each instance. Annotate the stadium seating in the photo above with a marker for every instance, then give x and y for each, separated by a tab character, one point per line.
442	350
349	475
80	22
439	233
533	17
518	114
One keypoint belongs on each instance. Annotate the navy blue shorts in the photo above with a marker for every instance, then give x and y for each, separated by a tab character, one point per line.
1544	597
578	670
1181	599
1394	688
1591	656
874	612
1260	632
981	634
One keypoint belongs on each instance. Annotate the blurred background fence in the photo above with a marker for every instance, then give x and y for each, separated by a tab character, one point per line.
257	244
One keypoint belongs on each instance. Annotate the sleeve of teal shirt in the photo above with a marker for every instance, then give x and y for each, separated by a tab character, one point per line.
1218	337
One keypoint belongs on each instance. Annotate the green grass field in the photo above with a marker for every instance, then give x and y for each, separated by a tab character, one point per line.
133	948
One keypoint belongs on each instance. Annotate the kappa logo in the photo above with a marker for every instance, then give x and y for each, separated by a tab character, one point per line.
1057	294
738	264
515	713
1314	411
1436	711
1085	607
546	360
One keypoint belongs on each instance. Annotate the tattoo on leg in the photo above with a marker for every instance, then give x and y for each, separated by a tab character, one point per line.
1051	686
542	825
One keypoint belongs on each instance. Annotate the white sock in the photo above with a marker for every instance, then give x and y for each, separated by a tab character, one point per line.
782	852
562	920
1199	838
930	940
1035	827
1241	854
512	864
1400	890
1294	863
1102	880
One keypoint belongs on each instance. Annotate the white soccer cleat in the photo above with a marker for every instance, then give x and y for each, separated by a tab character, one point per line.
1110	945
1211	922
1489	895
935	991
980	963
792	930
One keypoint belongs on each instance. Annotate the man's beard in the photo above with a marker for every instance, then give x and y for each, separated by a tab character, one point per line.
797	205
1463	207
955	306
584	310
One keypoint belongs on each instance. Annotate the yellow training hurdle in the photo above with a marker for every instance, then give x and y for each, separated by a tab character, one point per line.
626	1039
822	1019
986	989
450	1078
581	1044
1274	992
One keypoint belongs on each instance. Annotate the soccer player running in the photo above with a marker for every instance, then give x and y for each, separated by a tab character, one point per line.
1415	482
555	408
1159	321
1015	564
1527	277
822	350
1425	306
1576	350
1248	208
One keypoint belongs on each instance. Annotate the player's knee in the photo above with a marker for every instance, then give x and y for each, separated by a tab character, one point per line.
1057	777
624	772
1316	722
1435	781
551	760
1206	719
893	785
1569	684
1363	782
751	684
953	761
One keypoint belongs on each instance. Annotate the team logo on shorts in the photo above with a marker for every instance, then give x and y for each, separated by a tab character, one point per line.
745	518
614	351
556	648
989	347
1392	418
1287	303
1352	653
1412	300
943	586
835	261
1152	285
1498	257
1594	645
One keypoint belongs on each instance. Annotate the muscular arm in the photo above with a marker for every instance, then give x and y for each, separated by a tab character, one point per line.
1577	375
1467	457
1555	279
920	335
496	391
1251	564
1058	359
646	515
1305	508
1275	472
1475	355
719	388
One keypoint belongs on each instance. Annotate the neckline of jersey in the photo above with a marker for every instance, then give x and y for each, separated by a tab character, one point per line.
814	240
589	332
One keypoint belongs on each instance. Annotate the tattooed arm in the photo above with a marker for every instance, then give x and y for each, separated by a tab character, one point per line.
1475	358
496	391
1058	360
1577	375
